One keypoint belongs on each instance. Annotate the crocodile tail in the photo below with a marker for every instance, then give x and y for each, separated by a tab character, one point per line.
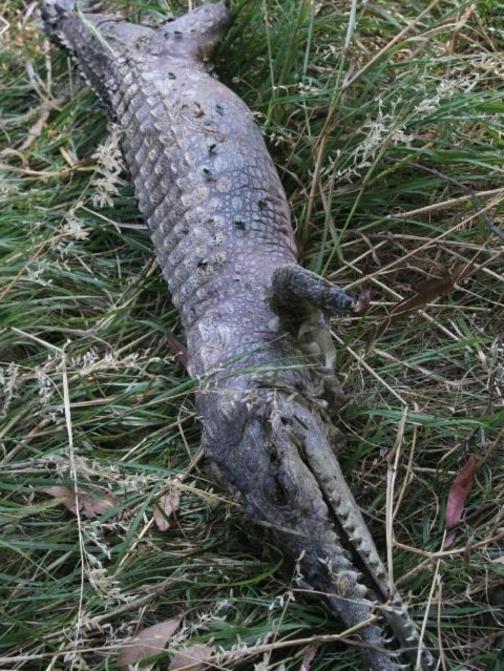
97	42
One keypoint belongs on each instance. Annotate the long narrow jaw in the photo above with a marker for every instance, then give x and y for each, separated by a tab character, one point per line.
275	452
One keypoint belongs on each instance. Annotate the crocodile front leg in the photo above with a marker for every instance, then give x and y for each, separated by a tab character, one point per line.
296	289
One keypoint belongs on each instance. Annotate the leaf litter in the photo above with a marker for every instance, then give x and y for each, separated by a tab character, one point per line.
92	502
148	642
166	508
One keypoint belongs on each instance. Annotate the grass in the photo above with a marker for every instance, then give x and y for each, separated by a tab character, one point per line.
383	124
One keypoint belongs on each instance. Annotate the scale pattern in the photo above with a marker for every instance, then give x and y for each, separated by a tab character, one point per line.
220	223
205	184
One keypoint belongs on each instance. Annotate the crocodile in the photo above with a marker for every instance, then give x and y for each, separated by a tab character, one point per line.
255	321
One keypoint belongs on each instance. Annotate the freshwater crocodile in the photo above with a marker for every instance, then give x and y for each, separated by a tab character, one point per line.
254	320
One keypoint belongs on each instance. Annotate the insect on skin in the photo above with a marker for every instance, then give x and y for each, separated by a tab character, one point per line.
254	320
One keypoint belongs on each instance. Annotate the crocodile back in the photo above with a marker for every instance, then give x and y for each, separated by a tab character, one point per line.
206	184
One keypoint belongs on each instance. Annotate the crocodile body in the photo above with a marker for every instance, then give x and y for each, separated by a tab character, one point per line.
220	223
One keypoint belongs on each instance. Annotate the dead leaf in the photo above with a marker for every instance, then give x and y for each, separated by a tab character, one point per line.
192	658
165	508
149	641
179	351
93	501
459	491
425	292
498	560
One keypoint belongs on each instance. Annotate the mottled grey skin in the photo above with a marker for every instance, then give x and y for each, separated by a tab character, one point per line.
256	337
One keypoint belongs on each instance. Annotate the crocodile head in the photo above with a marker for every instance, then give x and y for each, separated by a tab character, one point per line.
272	447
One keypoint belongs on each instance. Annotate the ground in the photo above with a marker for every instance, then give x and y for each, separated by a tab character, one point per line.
385	120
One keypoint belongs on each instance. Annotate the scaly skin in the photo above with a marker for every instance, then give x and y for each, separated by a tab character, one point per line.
256	337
